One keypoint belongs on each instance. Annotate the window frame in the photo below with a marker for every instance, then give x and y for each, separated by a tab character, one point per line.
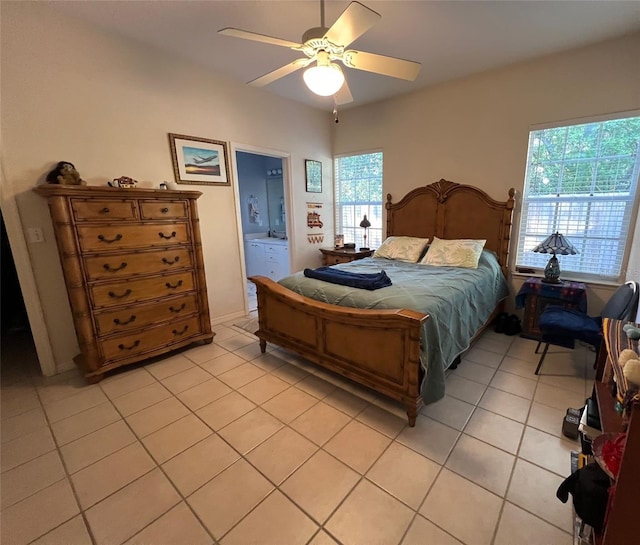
524	269
355	233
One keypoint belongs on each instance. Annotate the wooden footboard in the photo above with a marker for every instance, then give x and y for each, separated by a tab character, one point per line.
379	349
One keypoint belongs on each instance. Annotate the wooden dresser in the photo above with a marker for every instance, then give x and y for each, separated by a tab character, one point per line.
133	267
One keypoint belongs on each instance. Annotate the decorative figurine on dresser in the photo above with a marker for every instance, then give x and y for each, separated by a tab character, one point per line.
133	267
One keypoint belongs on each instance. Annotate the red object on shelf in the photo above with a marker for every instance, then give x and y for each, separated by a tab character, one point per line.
612	453
608	450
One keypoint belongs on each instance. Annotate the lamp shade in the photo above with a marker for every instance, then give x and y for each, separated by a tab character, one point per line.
555	244
365	222
324	79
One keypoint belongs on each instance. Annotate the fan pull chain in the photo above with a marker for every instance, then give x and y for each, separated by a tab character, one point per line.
335	113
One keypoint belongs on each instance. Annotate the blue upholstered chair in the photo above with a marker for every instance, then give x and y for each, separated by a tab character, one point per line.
561	325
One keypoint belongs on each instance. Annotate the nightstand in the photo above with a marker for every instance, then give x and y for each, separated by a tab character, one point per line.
331	256
535	294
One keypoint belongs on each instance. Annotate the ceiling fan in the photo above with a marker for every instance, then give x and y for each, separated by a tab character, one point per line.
322	46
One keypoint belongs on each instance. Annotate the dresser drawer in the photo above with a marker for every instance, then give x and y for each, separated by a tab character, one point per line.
275	258
118	266
279	249
125	346
154	210
126	319
335	259
103	210
132	291
94	238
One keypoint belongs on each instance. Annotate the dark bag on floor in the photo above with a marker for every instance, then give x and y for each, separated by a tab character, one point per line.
589	487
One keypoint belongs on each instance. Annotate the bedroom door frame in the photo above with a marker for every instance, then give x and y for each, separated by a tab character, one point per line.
285	157
26	277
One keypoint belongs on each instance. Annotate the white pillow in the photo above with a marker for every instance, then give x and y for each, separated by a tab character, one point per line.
462	252
402	248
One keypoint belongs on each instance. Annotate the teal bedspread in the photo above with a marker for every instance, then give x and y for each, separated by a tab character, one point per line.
458	300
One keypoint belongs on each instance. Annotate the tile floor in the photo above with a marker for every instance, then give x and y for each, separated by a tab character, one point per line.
220	444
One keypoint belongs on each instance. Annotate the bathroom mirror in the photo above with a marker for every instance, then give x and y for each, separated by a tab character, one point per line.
276	205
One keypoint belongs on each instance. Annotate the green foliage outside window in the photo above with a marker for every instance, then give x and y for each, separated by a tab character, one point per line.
358	191
581	181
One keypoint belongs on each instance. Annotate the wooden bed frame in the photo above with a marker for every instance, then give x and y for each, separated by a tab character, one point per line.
380	349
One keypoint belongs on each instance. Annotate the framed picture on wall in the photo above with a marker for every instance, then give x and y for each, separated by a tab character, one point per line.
313	175
199	161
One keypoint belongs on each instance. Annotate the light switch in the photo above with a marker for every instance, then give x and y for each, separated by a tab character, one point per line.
34	234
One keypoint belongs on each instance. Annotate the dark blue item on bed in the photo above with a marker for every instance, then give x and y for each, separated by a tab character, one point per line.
364	281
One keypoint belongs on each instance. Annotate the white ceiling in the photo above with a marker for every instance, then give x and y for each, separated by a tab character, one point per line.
451	39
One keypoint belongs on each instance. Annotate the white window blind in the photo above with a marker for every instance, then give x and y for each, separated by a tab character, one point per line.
358	191
581	180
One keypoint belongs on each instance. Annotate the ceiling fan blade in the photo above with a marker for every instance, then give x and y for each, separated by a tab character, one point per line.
352	23
246	35
381	64
343	96
280	72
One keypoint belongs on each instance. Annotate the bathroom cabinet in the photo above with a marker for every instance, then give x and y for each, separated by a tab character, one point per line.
267	257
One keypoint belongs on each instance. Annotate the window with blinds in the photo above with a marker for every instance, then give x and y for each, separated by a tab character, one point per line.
581	181
358	191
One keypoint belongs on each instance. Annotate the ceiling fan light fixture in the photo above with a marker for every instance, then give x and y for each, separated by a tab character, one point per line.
324	80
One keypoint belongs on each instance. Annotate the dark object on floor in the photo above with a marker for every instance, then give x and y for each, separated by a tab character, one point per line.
589	487
559	324
513	326
455	363
501	322
571	422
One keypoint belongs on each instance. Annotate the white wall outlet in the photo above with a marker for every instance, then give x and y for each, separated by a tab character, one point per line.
34	234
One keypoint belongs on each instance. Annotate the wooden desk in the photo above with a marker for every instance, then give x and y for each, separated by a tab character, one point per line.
621	525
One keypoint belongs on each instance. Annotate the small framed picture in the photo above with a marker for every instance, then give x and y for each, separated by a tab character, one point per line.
199	161
313	174
339	241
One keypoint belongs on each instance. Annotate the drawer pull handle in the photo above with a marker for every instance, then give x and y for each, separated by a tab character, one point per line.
105	210
173	287
116	296
109	241
131	319
184	330
164	210
176	310
123	347
169	262
162	235
114	269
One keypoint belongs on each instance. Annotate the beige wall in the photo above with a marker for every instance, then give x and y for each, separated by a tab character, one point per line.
475	130
72	92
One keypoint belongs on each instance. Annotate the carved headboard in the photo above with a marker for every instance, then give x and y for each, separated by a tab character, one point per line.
450	210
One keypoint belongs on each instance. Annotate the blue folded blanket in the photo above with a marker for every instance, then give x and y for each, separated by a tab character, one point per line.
355	280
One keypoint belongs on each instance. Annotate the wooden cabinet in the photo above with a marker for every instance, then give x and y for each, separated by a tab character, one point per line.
133	267
267	257
331	256
535	295
620	527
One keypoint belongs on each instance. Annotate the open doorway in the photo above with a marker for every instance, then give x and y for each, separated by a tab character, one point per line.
19	358
262	190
